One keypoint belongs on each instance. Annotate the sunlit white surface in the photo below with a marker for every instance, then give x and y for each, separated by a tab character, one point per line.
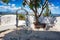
9	22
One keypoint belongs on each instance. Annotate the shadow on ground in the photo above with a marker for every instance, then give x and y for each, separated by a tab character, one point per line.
24	34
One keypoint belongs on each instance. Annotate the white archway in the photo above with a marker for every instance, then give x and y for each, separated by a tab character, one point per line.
17	15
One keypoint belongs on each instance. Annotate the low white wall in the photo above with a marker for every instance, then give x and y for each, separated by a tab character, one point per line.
57	24
8	20
21	22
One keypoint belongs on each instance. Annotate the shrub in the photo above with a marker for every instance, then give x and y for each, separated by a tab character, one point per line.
21	16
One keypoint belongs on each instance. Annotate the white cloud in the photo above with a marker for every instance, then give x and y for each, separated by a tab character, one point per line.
13	5
9	8
54	9
9	4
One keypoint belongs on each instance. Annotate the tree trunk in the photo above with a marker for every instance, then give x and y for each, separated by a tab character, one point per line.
41	12
36	18
37	26
43	7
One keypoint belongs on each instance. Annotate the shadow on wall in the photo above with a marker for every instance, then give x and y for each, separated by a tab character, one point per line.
24	34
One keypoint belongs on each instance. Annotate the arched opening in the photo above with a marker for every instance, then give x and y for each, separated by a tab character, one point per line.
0	19
20	13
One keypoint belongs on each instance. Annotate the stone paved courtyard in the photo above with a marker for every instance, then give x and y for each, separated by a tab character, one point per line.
23	34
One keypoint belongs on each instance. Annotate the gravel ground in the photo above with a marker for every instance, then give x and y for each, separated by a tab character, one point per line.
23	34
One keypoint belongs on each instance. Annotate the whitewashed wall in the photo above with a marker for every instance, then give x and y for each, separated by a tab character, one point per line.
31	19
57	23
8	20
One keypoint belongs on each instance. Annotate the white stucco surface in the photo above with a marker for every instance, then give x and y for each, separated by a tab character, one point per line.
9	22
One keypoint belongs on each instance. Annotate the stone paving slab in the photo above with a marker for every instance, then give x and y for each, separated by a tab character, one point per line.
24	34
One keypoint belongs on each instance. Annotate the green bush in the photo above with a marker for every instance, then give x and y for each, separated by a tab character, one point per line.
21	16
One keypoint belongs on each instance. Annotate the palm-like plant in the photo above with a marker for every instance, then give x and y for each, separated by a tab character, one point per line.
34	5
47	11
5	1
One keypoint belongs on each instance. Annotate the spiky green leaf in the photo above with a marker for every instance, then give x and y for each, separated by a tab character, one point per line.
5	1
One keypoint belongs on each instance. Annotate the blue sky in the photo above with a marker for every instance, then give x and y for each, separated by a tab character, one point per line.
13	5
